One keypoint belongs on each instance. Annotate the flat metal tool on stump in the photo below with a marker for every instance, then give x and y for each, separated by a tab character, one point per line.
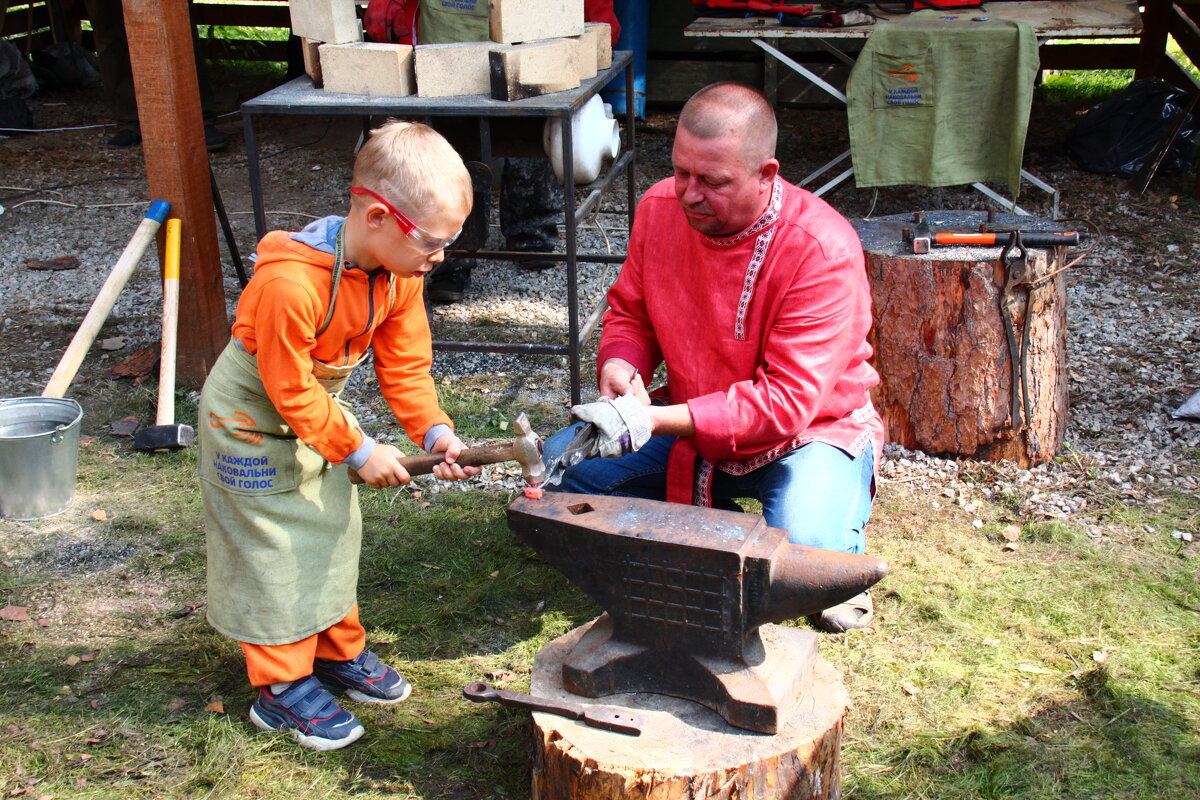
608	718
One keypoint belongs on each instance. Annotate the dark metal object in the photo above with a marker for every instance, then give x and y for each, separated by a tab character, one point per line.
922	234
685	590
1015	269
582	445
300	98
608	718
164	437
235	255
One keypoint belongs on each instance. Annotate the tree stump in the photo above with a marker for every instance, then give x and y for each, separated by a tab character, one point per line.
942	349
685	750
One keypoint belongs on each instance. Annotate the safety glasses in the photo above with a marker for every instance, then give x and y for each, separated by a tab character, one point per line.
426	242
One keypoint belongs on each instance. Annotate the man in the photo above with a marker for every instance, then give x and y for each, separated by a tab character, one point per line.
753	293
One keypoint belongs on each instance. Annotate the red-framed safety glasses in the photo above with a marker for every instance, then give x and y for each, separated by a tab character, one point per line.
426	241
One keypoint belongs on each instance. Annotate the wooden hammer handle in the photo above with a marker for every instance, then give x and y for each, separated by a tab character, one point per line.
470	457
68	365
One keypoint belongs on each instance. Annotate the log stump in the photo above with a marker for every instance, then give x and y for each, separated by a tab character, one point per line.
942	349
685	750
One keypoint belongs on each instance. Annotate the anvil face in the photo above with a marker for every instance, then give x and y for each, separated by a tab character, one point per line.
685	590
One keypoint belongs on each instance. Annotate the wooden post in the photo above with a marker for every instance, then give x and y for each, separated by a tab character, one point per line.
943	351
685	751
168	98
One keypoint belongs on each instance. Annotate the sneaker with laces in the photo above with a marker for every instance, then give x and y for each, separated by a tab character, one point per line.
309	711
365	679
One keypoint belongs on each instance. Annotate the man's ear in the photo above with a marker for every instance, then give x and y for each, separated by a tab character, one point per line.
768	171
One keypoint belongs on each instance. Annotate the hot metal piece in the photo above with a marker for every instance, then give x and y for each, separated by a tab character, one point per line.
685	590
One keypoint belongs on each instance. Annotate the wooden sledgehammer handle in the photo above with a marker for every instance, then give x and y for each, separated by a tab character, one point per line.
170	326
68	365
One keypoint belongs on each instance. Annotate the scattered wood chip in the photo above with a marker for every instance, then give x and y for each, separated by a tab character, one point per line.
499	620
43	622
1099	656
494	574
216	707
57	263
100	515
15	613
432	566
176	704
990	642
71	661
540	607
1011	532
909	689
87	657
139	364
1010	547
501	675
112	343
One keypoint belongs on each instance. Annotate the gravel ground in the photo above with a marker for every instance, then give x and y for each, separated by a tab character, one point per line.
1133	338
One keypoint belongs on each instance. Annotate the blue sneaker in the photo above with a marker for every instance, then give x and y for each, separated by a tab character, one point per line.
309	711
364	678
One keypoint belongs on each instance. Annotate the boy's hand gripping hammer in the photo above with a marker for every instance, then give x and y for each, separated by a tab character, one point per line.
525	449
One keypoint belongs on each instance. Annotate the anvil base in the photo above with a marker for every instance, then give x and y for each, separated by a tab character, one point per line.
754	696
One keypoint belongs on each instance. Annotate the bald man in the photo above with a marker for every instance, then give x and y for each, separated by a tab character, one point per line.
753	293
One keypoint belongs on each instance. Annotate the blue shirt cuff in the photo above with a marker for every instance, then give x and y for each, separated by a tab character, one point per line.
359	457
435	433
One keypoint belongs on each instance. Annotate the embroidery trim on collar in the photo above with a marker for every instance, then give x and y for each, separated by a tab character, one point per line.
765	224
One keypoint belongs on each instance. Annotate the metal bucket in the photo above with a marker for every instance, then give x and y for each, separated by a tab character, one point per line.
39	452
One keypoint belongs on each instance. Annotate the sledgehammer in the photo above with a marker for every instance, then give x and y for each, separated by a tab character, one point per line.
525	449
165	434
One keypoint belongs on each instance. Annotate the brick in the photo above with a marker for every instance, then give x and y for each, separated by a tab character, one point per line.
527	70
370	68
513	21
603	43
312	61
587	54
446	70
332	21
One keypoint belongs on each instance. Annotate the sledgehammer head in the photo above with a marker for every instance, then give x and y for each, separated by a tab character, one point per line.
164	437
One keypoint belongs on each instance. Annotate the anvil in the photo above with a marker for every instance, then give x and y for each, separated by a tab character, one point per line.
685	590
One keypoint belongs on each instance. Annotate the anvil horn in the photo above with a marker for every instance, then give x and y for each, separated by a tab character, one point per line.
806	580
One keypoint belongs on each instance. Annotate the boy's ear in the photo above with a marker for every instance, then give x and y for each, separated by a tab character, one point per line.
375	215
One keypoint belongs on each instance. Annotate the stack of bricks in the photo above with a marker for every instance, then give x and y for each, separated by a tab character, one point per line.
536	47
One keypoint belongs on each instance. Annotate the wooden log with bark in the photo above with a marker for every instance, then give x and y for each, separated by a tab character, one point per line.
686	751
971	363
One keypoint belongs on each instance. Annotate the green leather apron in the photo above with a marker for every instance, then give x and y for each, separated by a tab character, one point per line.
283	524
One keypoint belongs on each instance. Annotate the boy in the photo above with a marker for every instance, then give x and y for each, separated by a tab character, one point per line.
282	517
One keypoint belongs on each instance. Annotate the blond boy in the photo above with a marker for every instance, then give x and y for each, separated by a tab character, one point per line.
283	523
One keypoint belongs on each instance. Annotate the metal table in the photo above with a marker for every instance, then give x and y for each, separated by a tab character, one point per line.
299	97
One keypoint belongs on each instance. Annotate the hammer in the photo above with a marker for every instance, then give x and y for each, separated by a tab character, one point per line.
525	449
165	434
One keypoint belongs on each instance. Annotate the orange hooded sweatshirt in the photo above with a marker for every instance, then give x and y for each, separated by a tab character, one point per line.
279	313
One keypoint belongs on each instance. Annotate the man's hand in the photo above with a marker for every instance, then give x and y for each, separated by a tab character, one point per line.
618	378
622	424
451	446
382	467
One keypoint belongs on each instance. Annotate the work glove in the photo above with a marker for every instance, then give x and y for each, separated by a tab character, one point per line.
622	425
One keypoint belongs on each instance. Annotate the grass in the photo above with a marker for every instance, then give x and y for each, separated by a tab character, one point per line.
1059	669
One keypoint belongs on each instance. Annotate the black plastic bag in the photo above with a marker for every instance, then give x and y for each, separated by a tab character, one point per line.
1117	136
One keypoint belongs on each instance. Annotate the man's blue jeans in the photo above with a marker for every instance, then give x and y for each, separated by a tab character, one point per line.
819	494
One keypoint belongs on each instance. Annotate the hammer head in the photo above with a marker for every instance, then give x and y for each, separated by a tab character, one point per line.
527	451
164	437
922	236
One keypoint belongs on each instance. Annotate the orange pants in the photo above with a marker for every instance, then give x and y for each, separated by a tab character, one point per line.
276	663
